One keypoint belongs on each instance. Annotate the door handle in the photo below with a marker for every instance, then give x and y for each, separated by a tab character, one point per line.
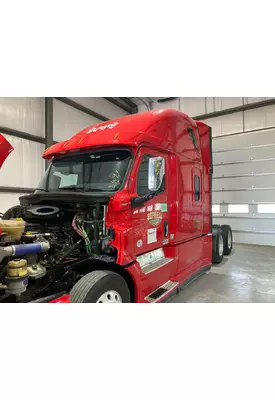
166	229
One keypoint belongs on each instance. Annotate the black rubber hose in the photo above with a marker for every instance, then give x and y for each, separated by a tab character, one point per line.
68	252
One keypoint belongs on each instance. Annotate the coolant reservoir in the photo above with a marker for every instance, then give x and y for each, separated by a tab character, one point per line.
13	228
17	268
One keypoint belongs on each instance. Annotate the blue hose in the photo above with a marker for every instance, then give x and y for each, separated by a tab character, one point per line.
30	248
19	250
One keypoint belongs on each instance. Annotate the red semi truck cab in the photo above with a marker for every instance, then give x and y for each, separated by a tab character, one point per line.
154	186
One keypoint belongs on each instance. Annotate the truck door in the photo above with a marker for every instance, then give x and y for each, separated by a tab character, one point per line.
151	220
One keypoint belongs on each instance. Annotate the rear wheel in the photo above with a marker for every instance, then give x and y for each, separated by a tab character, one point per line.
100	287
228	239
218	246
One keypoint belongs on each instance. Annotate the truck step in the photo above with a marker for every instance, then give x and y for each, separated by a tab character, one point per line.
156	265
161	292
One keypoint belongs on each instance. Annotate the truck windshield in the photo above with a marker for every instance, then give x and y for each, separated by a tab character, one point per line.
102	171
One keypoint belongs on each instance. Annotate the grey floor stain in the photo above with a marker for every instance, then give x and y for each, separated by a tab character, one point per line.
246	276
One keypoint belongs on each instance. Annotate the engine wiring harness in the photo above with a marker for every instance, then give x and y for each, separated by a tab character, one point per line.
78	227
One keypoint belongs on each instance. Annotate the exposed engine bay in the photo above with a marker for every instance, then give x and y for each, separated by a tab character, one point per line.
45	249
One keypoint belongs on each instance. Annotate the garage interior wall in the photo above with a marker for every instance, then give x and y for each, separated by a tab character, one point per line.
244	162
67	120
22	122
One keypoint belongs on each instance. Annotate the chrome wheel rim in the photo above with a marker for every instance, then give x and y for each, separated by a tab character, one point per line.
229	241
221	246
111	296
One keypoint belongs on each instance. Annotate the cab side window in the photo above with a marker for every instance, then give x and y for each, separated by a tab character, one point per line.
193	138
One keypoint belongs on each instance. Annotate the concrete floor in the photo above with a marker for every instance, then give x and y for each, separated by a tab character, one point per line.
246	276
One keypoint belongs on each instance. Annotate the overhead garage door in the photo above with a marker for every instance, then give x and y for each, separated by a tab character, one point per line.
244	174
243	130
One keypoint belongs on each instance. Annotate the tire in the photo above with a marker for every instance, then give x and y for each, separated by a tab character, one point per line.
13	212
218	247
215	227
98	285
228	239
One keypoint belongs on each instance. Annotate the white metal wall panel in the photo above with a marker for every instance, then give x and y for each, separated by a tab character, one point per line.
245	139
244	196
210	102
246	182
258	118
223	103
266	166
193	106
24	166
244	173
67	121
247	154
255	238
249	100
226	124
8	200
101	106
24	114
250	224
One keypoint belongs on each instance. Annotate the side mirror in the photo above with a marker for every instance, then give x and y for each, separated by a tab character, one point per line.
156	181
156	173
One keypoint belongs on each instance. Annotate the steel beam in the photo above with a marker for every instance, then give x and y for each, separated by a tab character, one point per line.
166	99
48	125
131	104
8	189
119	104
82	108
233	110
48	121
21	135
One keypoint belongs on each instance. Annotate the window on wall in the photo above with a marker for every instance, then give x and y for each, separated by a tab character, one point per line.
238	208
193	138
197	187
266	208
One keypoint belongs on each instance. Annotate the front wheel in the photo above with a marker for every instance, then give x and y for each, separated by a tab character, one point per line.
100	287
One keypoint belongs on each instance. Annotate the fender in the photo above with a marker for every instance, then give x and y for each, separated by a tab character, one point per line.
133	270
